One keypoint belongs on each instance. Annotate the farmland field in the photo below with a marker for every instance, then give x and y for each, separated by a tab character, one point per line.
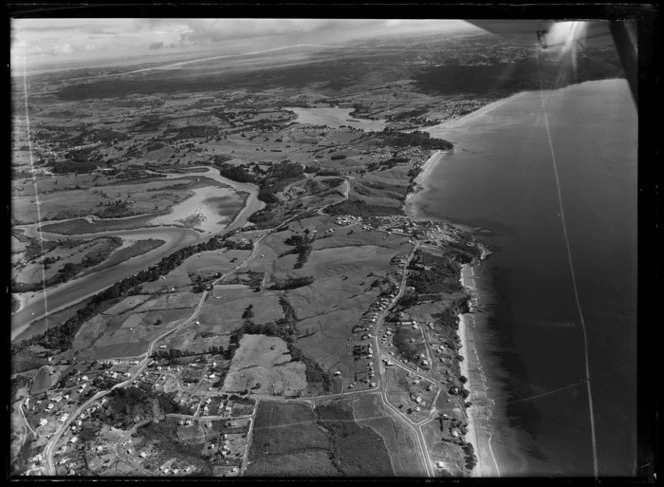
83	226
358	451
202	264
126	334
262	364
399	439
286	436
224	314
135	248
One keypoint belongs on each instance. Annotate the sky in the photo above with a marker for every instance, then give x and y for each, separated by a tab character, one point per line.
59	41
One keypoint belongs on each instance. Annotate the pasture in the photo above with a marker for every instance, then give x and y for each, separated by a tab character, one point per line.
400	440
152	196
171	301
131	248
358	451
262	364
222	312
72	253
129	330
194	340
79	226
204	264
287	441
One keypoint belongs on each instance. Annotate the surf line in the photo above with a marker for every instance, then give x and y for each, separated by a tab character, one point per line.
571	267
34	181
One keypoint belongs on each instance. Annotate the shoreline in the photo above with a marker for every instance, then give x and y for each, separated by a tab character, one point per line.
459	122
479	413
419	183
409	206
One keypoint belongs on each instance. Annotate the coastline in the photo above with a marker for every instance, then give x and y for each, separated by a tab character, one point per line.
409	205
419	183
461	121
479	414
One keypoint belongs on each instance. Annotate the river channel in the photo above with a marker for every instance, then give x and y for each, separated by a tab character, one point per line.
176	237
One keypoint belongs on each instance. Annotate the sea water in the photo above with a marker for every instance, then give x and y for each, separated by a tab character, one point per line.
500	180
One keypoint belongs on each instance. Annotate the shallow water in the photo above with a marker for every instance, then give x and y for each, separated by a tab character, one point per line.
69	293
335	117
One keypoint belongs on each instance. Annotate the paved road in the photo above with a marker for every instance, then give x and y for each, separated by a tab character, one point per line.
72	292
379	370
51	445
49	449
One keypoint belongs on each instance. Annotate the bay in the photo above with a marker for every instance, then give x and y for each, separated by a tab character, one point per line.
500	180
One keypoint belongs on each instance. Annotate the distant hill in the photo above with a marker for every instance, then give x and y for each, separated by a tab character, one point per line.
477	64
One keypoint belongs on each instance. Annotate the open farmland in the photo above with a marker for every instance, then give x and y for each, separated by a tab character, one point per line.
130	249
262	364
358	451
204	264
170	301
127	328
399	439
326	335
287	441
194	340
383	188
222	312
113	201
64	260
80	226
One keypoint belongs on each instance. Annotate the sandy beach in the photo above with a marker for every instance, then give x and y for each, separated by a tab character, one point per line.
479	427
438	131
460	122
409	206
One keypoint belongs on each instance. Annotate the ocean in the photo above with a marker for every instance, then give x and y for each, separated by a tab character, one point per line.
500	180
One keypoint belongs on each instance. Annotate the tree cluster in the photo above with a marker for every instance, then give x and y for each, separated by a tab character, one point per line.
416	138
61	337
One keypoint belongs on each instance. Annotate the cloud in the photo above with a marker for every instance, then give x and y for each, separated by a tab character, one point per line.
61	49
211	31
156	45
99	31
47	28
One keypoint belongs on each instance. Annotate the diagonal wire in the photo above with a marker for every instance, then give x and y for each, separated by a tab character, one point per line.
34	180
571	267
